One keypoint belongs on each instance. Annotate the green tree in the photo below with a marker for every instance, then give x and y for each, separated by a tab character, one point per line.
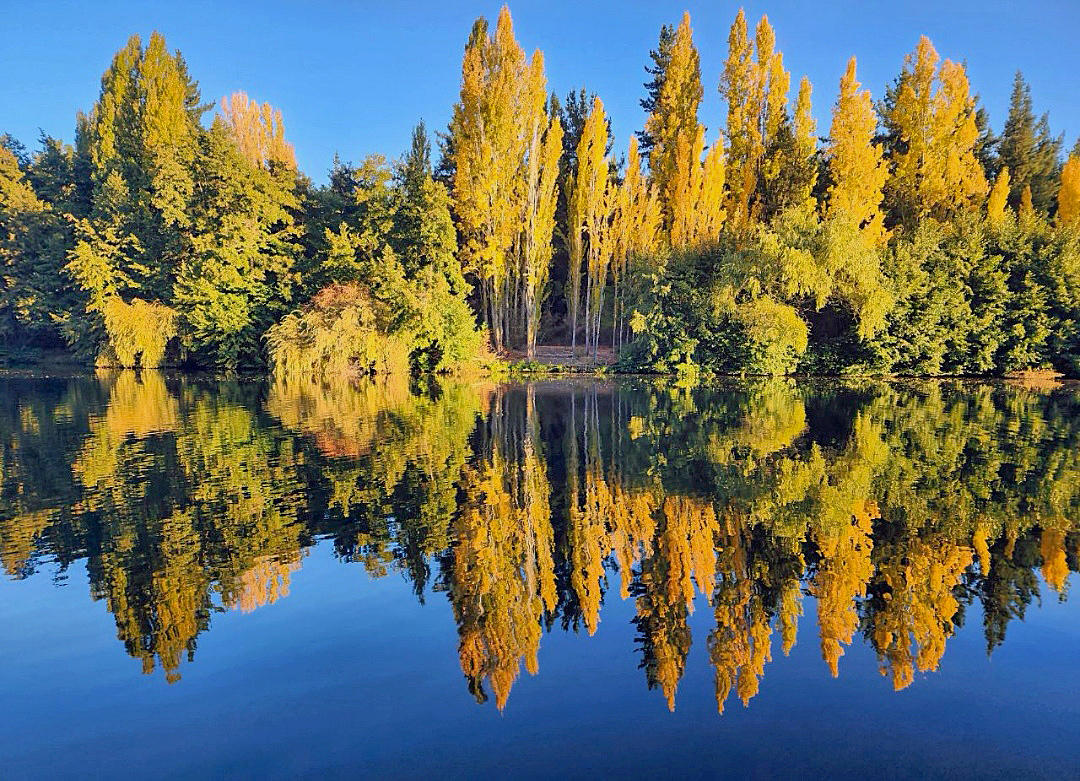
1031	154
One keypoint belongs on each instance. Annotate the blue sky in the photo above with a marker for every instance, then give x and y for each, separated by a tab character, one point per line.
353	77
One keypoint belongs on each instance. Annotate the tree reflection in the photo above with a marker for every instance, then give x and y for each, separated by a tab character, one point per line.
883	510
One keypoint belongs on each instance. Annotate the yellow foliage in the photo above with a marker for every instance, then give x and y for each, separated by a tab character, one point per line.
138	333
674	121
1069	193
936	172
259	131
997	202
856	163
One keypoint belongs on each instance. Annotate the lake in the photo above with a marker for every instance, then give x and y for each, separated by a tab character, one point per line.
564	578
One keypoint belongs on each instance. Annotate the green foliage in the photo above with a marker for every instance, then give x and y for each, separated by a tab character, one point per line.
153	217
386	264
34	236
976	299
746	308
238	277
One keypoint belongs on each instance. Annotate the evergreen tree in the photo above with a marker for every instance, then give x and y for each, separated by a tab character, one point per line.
661	58
1029	151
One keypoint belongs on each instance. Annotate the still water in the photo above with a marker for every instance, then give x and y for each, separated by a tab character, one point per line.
215	579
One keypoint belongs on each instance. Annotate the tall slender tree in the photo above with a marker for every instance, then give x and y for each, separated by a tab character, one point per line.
674	117
857	169
1029	151
497	152
1068	212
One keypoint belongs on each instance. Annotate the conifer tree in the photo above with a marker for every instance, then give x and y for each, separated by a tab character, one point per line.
661	58
33	240
138	146
1029	151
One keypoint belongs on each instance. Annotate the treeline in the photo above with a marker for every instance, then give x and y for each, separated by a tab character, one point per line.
907	237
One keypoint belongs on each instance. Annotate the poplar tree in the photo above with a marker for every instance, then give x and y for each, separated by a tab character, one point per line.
497	155
591	203
931	117
740	88
770	158
998	200
698	209
258	131
545	148
856	166
636	230
1069	193
674	118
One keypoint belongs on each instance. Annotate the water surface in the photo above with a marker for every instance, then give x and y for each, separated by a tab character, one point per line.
205	578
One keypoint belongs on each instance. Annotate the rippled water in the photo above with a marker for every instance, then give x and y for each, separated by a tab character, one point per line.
567	578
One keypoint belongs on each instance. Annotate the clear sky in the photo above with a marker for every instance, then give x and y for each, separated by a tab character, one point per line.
354	77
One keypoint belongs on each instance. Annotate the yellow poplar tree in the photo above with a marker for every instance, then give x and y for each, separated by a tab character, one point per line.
599	199
856	165
500	178
773	86
698	208
259	131
739	87
998	201
710	207
541	193
1027	209
805	138
1069	194
590	205
765	154
635	230
935	171
675	117
686	189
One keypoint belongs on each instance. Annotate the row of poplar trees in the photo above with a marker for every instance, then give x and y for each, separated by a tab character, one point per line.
160	236
796	230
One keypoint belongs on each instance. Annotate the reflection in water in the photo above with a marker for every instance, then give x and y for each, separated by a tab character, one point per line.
894	507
